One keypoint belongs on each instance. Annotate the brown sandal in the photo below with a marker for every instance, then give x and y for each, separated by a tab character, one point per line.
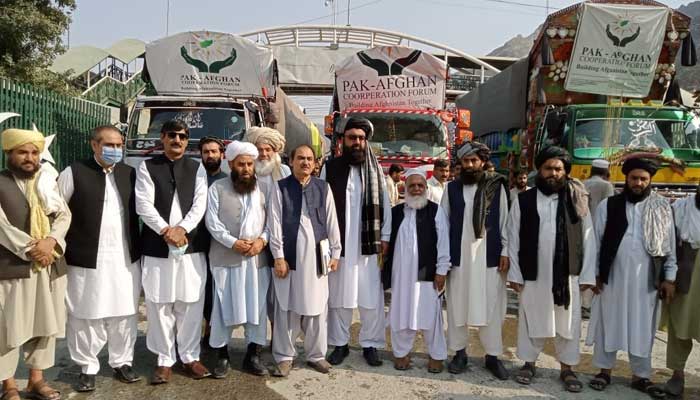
42	391
10	394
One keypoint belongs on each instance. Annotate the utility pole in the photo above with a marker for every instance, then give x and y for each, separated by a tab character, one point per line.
167	17
348	12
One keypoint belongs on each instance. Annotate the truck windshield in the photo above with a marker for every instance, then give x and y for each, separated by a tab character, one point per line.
597	138
417	135
226	124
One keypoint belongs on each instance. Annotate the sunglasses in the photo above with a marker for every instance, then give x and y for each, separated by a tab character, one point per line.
173	135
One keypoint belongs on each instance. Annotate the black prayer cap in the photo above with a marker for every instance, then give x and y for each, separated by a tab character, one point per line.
554	152
647	164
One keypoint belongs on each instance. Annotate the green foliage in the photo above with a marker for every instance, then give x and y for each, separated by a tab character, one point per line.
31	32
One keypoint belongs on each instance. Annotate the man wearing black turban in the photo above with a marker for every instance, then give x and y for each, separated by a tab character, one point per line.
552	252
637	266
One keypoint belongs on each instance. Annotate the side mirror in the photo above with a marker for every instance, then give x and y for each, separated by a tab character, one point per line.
463	135
464	118
328	125
554	123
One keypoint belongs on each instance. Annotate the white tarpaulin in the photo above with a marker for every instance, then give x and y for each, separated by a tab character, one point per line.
616	49
392	77
209	63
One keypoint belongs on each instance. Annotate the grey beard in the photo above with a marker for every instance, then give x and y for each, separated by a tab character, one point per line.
265	168
417	202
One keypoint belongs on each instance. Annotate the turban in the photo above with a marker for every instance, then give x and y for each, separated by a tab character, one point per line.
360	123
554	152
471	148
264	135
236	148
415	171
649	165
13	138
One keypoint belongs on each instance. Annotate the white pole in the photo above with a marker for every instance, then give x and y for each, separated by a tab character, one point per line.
167	17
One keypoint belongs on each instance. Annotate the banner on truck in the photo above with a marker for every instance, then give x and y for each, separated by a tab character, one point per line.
616	49
209	64
391	77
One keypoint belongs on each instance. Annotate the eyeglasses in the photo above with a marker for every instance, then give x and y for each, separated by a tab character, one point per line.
173	135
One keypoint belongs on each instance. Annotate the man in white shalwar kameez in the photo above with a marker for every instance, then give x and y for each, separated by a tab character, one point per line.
241	271
171	199
104	259
637	265
438	182
552	259
362	203
32	268
476	204
415	268
305	244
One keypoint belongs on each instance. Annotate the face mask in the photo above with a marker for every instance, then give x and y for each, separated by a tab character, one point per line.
111	155
177	252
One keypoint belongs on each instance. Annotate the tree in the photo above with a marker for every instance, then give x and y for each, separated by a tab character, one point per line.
31	32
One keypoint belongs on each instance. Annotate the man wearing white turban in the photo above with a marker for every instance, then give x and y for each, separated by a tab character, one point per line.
32	268
270	143
415	268
239	259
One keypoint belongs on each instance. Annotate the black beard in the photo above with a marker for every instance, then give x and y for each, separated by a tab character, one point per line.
354	157
212	165
549	188
243	185
20	173
521	187
634	197
470	177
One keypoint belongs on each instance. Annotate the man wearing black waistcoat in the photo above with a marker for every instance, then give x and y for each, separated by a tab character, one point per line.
171	199
303	229
103	254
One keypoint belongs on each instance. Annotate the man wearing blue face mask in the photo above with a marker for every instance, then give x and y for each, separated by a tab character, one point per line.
103	252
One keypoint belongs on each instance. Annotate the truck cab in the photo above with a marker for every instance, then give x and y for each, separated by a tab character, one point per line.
223	117
593	131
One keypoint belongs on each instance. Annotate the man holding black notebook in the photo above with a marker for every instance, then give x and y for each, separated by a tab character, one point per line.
302	221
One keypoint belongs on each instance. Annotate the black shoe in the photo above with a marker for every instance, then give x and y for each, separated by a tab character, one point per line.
86	383
338	355
126	374
371	356
459	362
251	361
496	367
221	369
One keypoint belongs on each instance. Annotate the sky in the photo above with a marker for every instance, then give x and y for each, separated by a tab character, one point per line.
473	26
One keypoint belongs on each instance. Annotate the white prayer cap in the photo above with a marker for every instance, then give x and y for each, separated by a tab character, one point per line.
414	171
600	163
236	148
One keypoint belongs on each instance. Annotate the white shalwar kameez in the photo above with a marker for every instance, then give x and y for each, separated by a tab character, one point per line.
240	291
173	286
102	303
538	317
435	190
357	283
301	298
476	294
625	315
416	305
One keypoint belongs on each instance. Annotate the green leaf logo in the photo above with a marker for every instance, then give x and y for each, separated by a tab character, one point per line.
206	43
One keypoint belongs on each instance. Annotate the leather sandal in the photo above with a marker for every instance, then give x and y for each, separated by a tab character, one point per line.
10	394
42	391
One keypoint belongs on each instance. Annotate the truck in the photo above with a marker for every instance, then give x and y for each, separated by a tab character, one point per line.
219	84
593	85
402	92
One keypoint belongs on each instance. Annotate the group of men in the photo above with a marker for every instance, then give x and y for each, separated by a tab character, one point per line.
306	252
